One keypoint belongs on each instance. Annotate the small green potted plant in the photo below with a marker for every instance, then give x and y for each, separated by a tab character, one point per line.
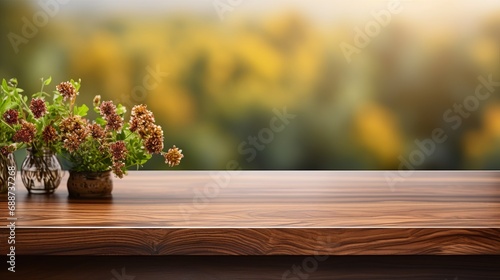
31	124
41	171
109	145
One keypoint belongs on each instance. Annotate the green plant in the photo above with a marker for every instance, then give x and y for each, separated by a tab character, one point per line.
34	123
55	122
10	110
110	143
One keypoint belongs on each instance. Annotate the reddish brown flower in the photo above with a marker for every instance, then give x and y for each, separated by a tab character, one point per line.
117	168
6	150
107	109
173	156
118	151
49	135
74	130
142	121
72	142
38	107
154	143
67	90
97	131
74	124
139	110
11	116
114	122
134	124
108	112
26	133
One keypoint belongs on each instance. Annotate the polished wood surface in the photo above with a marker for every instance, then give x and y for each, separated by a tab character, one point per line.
260	241
269	213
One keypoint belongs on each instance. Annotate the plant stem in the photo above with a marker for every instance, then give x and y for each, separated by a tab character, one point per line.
7	125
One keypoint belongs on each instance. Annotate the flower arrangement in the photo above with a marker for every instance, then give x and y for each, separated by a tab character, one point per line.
41	171
108	142
61	127
32	126
10	122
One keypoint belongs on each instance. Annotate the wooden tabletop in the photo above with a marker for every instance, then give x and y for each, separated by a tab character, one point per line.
267	213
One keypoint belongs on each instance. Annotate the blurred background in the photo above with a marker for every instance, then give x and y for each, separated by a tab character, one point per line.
215	72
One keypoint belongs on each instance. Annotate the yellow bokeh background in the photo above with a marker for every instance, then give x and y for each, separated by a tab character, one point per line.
222	78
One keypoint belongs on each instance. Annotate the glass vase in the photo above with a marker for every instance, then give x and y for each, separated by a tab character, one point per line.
8	169
41	173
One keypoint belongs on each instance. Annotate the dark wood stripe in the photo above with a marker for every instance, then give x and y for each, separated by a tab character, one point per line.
261	267
213	241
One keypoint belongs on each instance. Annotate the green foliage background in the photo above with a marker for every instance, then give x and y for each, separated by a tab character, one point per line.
225	78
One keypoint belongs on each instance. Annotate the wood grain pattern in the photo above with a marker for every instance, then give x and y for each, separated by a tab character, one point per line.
269	213
258	241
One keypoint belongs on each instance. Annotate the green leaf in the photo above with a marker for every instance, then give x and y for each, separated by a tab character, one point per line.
2	107
120	136
100	121
38	95
81	111
76	84
48	81
13	82
5	87
120	109
57	97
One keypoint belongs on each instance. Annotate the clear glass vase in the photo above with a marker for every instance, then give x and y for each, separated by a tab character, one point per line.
41	173
8	169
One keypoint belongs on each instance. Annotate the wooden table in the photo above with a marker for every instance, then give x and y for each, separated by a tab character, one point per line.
267	213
